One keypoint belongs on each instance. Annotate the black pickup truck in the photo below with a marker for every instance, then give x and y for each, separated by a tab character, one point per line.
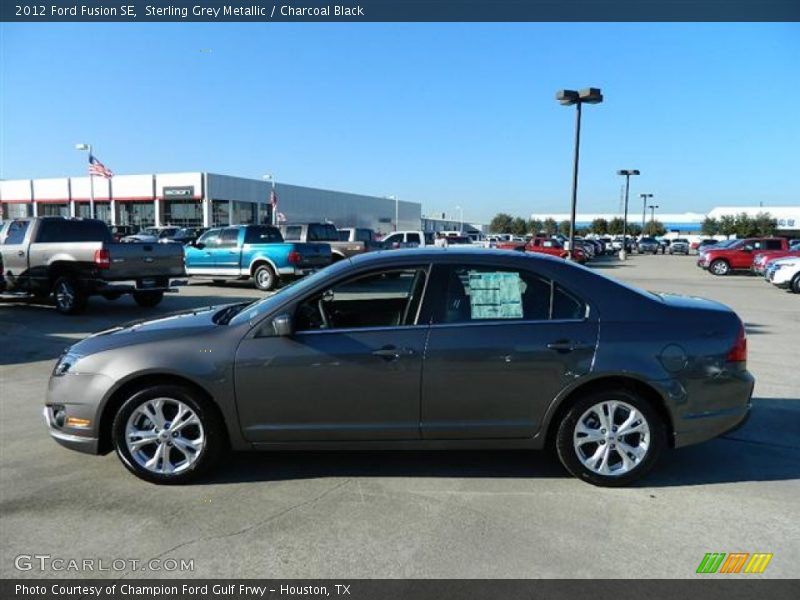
72	259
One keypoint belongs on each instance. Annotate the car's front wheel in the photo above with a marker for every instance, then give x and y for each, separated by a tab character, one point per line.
167	434
610	438
795	286
719	267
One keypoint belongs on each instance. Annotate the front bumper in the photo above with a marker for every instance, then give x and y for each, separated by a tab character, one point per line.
88	445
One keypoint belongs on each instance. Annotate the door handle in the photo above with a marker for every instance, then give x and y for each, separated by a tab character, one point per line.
568	346
390	353
20	252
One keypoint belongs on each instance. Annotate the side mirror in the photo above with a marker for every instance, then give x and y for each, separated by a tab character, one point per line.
282	325
198	245
748	248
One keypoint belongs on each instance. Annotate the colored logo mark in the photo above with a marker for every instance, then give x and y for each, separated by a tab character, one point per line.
735	562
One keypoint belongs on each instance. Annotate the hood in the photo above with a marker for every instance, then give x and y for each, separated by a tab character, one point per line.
171	326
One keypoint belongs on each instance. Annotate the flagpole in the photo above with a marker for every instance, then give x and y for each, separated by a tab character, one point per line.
91	185
274	210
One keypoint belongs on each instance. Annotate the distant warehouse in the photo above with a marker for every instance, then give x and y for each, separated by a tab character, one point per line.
200	199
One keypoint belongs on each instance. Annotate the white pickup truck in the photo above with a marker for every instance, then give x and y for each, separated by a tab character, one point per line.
408	239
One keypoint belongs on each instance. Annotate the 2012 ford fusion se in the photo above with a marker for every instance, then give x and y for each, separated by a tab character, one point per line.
439	348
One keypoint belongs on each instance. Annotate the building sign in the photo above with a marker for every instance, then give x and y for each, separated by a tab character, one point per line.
186	191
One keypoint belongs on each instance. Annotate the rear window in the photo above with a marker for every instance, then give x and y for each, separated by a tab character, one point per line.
322	232
262	234
57	231
344	235
364	235
292	232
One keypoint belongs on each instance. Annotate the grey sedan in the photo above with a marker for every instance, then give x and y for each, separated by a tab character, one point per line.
408	349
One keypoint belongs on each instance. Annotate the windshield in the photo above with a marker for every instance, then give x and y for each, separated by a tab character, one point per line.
256	310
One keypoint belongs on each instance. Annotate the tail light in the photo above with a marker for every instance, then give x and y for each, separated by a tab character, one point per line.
294	257
102	259
739	351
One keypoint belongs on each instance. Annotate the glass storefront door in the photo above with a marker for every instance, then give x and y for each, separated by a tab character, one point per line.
102	211
186	213
139	214
52	209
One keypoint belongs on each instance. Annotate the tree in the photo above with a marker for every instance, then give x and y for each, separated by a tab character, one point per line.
743	225
710	226
563	227
765	225
534	226
519	226
599	226
501	223
615	226
727	225
653	228
549	226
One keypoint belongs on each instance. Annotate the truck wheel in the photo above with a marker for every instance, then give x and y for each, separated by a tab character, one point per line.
264	278
70	298
111	296
719	267
148	299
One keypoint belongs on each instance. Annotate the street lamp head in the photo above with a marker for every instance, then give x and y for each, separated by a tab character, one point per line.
267	177
568	97
591	95
628	172
81	146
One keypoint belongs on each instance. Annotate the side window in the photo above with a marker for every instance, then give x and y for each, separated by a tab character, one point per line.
773	244
209	238
16	232
566	306
260	234
484	293
413	238
388	298
293	232
395	238
229	238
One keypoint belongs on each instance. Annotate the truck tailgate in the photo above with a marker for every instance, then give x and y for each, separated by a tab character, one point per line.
313	256
135	261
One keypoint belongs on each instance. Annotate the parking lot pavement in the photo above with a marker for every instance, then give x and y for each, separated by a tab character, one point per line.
409	514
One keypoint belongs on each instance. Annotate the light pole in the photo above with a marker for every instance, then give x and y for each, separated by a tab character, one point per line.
568	98
627	174
461	214
396	211
652	208
88	148
644	198
273	207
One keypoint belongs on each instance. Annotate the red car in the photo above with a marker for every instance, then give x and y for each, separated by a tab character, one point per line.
543	245
762	259
739	255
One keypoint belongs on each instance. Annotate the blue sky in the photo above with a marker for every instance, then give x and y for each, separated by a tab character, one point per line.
443	114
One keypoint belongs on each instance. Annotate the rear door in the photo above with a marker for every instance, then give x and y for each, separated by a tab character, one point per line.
15	248
502	344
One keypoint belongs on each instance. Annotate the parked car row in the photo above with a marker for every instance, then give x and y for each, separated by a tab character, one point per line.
728	256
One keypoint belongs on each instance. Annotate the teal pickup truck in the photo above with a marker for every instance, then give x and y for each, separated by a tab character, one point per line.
253	251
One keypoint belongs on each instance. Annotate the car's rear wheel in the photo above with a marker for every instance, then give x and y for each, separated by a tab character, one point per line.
610	438
719	267
167	434
264	278
70	298
148	299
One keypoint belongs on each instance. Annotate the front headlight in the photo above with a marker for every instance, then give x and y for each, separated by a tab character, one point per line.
66	363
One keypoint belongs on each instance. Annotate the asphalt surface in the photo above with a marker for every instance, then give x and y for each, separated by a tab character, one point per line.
407	514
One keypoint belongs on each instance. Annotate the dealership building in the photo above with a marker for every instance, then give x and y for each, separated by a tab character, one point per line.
199	199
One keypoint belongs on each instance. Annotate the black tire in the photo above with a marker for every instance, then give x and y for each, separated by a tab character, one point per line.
719	267
218	281
654	443
70	297
212	432
111	296
795	285
264	278
148	299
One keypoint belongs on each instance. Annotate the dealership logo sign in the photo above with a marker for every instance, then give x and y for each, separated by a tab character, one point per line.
179	192
735	562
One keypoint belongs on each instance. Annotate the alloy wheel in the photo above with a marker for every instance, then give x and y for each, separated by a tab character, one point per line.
164	436
65	295
611	438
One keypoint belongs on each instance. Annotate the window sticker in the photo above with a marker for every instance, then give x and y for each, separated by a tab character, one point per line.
495	295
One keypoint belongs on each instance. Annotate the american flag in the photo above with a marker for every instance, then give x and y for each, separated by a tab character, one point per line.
273	200
98	168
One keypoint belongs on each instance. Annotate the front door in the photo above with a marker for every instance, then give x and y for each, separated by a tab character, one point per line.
200	257
228	253
350	370
502	344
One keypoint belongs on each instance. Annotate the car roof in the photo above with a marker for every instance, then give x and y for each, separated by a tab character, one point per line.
448	253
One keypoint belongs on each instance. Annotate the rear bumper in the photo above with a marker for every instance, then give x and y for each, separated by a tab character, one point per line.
294	272
731	408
